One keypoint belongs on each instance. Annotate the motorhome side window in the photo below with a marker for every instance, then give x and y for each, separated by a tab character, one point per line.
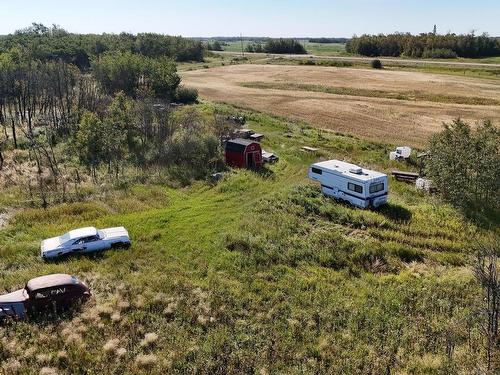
354	187
317	170
375	188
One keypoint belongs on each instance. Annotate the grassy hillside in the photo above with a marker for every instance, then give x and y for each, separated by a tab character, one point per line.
257	274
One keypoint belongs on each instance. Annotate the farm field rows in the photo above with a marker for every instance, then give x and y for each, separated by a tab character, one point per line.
372	117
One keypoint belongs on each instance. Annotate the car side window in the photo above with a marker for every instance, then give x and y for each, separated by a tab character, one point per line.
91	239
79	242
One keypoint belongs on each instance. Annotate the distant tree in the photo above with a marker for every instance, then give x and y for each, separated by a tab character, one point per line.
400	44
129	72
376	64
284	46
254	47
54	44
464	164
89	142
215	46
328	40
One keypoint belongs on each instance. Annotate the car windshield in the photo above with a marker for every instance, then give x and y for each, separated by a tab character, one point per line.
65	238
100	234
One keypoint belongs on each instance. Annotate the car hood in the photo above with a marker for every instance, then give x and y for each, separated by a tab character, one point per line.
50	244
17	296
113	232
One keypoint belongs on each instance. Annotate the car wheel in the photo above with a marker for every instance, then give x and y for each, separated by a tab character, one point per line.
120	245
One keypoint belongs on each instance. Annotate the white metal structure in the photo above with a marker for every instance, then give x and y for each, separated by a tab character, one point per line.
361	187
269	157
84	240
424	184
400	153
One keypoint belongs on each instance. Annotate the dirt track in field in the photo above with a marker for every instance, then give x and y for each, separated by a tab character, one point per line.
396	121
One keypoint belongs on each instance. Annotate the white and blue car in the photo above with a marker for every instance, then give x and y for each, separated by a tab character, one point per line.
84	241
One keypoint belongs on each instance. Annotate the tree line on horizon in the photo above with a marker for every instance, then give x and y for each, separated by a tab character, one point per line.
426	45
54	43
278	46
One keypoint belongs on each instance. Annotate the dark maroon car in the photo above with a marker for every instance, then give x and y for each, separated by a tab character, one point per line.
42	293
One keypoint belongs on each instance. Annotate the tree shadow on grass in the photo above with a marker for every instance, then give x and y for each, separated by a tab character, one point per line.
395	212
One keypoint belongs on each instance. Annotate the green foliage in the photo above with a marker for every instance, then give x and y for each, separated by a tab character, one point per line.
215	46
89	140
259	274
130	73
424	45
328	40
439	53
464	165
54	43
186	95
337	64
255	47
376	64
284	46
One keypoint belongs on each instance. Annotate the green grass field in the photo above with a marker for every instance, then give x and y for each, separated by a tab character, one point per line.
325	49
257	274
321	49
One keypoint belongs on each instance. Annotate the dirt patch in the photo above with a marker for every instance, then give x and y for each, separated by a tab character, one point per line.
383	119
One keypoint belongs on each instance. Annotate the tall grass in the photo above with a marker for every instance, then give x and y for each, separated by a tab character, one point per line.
258	274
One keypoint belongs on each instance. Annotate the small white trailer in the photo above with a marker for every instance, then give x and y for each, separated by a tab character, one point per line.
401	153
361	187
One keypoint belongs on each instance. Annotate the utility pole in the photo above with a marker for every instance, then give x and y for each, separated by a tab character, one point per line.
242	49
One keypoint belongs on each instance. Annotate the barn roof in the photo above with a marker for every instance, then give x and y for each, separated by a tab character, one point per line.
238	144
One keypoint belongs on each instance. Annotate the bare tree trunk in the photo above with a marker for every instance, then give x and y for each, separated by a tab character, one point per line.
487	274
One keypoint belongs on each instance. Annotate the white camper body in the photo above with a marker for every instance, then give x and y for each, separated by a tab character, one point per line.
361	187
400	153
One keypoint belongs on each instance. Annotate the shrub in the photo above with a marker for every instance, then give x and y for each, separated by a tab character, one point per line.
284	46
187	95
376	64
439	53
464	165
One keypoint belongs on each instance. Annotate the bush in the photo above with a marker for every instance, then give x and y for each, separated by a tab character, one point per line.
376	64
186	95
439	53
285	46
464	165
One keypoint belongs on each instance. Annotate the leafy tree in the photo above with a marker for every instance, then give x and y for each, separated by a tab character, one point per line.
284	46
464	164
54	43
129	72
89	142
376	64
424	45
215	46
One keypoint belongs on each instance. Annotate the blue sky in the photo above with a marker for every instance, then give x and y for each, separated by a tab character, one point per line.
255	18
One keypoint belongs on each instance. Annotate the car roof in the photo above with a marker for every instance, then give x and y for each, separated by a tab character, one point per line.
343	168
48	281
82	232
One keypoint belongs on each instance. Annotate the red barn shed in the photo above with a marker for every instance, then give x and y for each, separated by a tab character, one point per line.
243	153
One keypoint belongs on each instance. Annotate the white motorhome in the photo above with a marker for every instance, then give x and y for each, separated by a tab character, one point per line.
361	187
